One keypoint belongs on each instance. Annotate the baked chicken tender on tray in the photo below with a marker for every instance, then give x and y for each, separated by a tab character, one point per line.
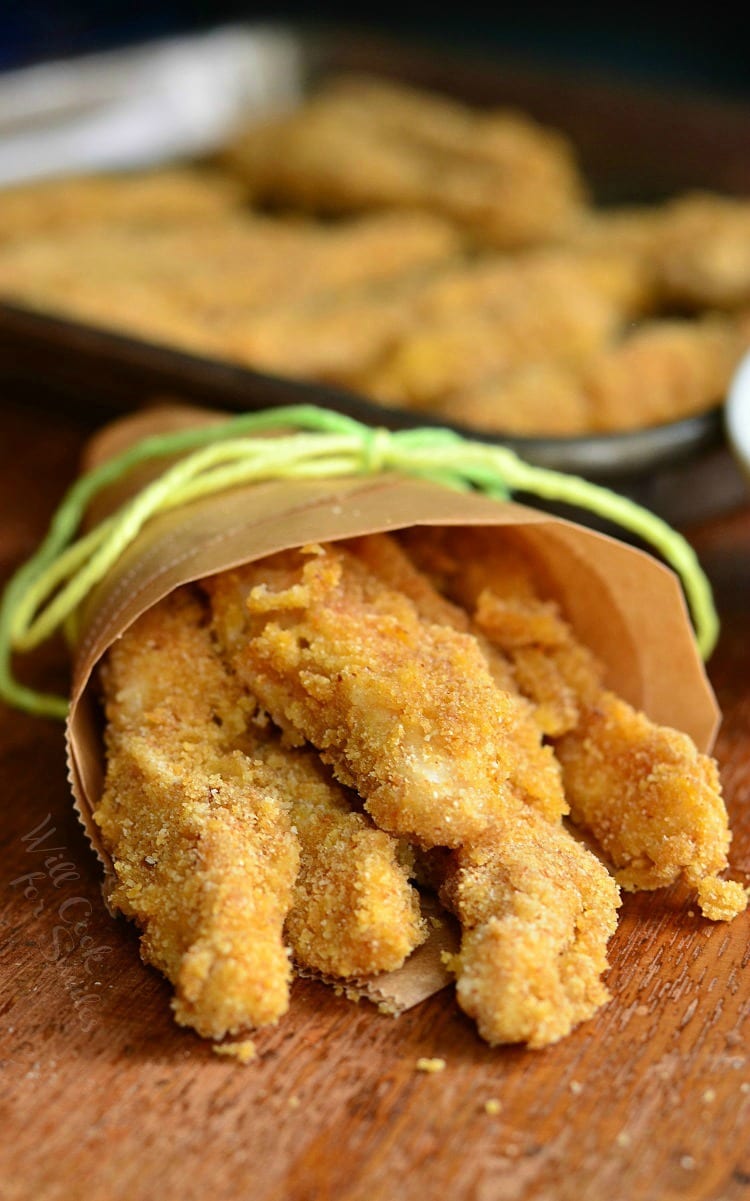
364	142
695	247
651	801
128	200
658	371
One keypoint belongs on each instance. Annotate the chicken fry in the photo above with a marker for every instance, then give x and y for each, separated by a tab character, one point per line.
132	200
536	910
363	143
351	910
660	371
537	773
354	912
695	247
649	798
702	256
404	709
205	859
489	317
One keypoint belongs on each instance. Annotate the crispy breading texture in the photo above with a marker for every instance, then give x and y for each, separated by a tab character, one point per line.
536	772
536	910
490	317
354	912
405	710
299	297
658	371
205	859
694	247
653	803
649	798
362	143
351	910
702	254
133	200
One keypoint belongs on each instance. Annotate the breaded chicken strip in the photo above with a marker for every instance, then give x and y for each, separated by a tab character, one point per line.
650	799
702	255
354	912
487	318
205	860
363	143
537	774
128	200
695	247
404	710
301	298
657	372
663	371
531	401
652	802
536	910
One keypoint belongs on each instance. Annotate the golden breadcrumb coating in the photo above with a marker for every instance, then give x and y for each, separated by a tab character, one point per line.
694	247
528	400
266	291
721	900
702	256
404	709
354	912
363	143
649	798
652	802
536	910
425	669
205	860
537	773
662	371
487	318
124	199
351	910
554	670
659	371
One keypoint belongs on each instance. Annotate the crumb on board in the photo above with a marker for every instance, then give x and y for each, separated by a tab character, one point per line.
492	1107
294	1102
721	900
576	1087
243	1051
430	1065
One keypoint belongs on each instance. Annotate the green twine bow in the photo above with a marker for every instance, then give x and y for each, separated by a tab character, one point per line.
46	591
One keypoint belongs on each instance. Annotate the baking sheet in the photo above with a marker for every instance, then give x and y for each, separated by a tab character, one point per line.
118	110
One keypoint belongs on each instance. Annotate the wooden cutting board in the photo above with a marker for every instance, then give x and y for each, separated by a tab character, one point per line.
103	1097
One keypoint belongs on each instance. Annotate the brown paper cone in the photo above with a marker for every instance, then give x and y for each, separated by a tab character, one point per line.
624	604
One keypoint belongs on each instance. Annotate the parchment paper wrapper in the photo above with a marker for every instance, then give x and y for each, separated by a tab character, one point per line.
624	604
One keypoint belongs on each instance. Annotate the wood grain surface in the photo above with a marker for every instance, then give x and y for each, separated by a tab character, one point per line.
104	1097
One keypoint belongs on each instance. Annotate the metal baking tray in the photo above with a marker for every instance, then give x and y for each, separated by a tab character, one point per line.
113	112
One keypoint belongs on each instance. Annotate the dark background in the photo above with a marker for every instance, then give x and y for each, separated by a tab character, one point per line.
701	47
